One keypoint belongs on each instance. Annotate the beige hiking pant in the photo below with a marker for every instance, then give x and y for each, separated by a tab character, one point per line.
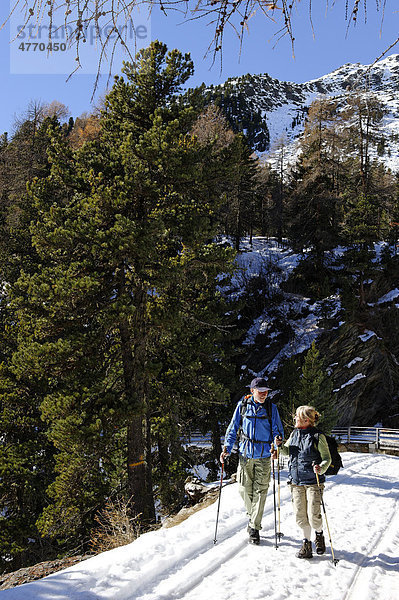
253	476
307	507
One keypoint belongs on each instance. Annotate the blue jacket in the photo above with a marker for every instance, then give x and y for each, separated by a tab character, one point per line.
256	436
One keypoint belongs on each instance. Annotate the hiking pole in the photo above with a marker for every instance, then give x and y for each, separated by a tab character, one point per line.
279	534
334	560
220	493
274	497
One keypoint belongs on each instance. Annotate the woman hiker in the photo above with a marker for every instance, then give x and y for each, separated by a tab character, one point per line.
308	454
256	422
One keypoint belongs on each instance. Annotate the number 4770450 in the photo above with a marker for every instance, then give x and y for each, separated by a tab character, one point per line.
41	46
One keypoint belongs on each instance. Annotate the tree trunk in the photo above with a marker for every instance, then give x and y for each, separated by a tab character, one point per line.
163	454
362	296
136	390
279	203
139	467
136	466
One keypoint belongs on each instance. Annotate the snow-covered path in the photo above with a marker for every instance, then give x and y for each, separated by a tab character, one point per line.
362	504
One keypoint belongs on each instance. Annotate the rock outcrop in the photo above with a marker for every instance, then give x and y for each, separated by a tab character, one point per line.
28	574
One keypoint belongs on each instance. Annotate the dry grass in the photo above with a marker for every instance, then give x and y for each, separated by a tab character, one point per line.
115	526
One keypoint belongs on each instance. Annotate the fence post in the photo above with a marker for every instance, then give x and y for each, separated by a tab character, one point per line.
349	435
377	438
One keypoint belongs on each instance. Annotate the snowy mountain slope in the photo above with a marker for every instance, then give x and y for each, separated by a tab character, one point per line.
362	504
283	105
285	324
305	329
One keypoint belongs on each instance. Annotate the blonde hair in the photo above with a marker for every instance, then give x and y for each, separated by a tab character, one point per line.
308	412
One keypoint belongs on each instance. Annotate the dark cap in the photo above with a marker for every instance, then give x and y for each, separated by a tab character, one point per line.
259	384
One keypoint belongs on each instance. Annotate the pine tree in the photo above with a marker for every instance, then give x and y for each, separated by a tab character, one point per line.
315	389
277	188
363	114
129	269
26	459
26	454
22	158
313	191
239	214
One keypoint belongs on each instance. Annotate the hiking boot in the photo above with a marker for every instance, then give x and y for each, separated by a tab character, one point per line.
320	543
253	535
306	550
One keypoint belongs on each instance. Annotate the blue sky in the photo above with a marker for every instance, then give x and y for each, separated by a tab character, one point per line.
24	80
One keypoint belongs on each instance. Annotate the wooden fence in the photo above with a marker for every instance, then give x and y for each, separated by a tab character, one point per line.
378	437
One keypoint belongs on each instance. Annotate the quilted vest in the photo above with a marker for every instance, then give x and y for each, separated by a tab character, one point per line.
303	452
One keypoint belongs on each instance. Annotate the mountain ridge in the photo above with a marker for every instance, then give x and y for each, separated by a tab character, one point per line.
280	107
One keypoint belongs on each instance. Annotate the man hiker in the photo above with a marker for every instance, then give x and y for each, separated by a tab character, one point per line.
256	422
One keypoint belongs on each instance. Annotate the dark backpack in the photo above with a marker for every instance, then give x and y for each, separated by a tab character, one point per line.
336	460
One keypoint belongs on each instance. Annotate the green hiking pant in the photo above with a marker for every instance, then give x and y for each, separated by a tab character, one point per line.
253	476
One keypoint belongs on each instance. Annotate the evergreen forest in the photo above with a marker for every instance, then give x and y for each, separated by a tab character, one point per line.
120	328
